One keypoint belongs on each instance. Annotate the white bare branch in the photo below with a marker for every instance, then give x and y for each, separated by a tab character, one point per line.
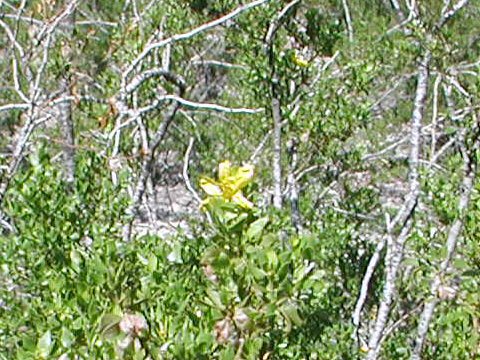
348	20
190	34
9	107
470	169
210	107
395	246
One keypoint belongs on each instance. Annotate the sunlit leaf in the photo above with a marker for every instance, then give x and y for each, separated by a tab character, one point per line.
67	338
109	325
44	345
256	228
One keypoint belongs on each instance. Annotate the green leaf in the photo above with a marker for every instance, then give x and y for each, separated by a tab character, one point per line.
255	229
76	259
29	343
254	346
236	222
142	259
461	264
152	262
272	258
471	273
67	338
257	273
175	255
44	345
222	261
290	314
228	354
108	325
77	324
215	298
210	255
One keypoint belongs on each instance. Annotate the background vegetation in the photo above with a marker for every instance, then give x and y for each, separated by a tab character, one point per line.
360	118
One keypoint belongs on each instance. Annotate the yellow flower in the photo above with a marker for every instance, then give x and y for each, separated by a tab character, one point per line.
231	181
299	59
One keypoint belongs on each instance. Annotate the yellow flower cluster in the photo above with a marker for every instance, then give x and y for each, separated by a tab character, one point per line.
299	59
231	181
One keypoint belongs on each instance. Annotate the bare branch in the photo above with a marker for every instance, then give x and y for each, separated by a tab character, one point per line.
448	14
272	29
148	74
395	247
390	329
276	104
12	39
470	168
293	186
53	23
146	169
189	34
217	63
9	107
65	112
348	20
277	151
186	178
398	9
372	265
434	117
18	152
212	107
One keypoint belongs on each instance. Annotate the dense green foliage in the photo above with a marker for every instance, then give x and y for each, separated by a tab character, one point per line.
239	283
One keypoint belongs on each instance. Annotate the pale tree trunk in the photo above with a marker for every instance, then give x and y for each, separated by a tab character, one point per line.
395	244
65	109
277	154
276	105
